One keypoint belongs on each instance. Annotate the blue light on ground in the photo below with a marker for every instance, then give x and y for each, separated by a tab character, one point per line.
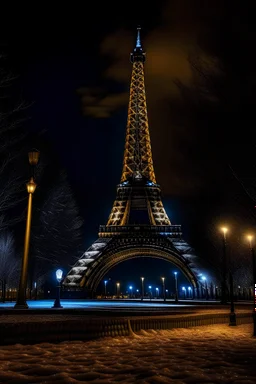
94	304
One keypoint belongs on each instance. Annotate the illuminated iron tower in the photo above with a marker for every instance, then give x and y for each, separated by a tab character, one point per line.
138	225
138	196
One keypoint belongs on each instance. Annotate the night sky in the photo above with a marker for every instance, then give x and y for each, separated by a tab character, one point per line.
72	66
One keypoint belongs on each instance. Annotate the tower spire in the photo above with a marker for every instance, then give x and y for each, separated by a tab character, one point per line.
137	155
138	43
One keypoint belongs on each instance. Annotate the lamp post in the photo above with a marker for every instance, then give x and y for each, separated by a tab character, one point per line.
21	303
206	288
142	288
164	293
130	291
189	292
59	274
105	288
254	282
224	267
176	287
118	290
35	285
150	292
157	292
185	292
232	315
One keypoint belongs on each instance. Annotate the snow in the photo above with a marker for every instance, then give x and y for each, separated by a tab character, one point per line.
208	354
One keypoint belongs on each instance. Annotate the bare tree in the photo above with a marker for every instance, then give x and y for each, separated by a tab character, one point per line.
9	266
56	232
11	138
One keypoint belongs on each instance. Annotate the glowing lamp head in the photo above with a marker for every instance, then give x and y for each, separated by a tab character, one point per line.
203	278
224	230
183	288
157	289
175	273
31	186
130	287
33	157
59	274
142	278
149	286
163	279
250	237
118	284
105	281
189	288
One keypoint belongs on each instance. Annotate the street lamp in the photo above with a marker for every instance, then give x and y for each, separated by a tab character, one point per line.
105	288
150	292
206	288
21	303
142	288
232	315
164	294
59	274
189	292
157	292
224	267
117	289
249	237
185	291
35	285
130	290
176	287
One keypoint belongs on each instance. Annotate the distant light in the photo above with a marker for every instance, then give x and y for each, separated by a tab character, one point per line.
250	237
203	278
175	273
137	290
224	230
59	274
130	287
183	288
150	286
157	289
105	281
189	288
142	278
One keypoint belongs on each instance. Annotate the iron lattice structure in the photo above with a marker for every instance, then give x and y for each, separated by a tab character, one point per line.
138	225
138	189
137	153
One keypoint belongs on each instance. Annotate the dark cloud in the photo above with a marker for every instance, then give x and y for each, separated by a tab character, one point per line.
96	103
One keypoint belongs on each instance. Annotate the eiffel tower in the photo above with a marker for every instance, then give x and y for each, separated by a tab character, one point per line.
138	225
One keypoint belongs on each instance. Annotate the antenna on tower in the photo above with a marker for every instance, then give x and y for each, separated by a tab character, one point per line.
138	43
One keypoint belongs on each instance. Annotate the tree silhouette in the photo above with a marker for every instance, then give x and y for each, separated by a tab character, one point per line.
56	231
8	262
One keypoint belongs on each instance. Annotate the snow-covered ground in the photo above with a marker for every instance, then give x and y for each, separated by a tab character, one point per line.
209	354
